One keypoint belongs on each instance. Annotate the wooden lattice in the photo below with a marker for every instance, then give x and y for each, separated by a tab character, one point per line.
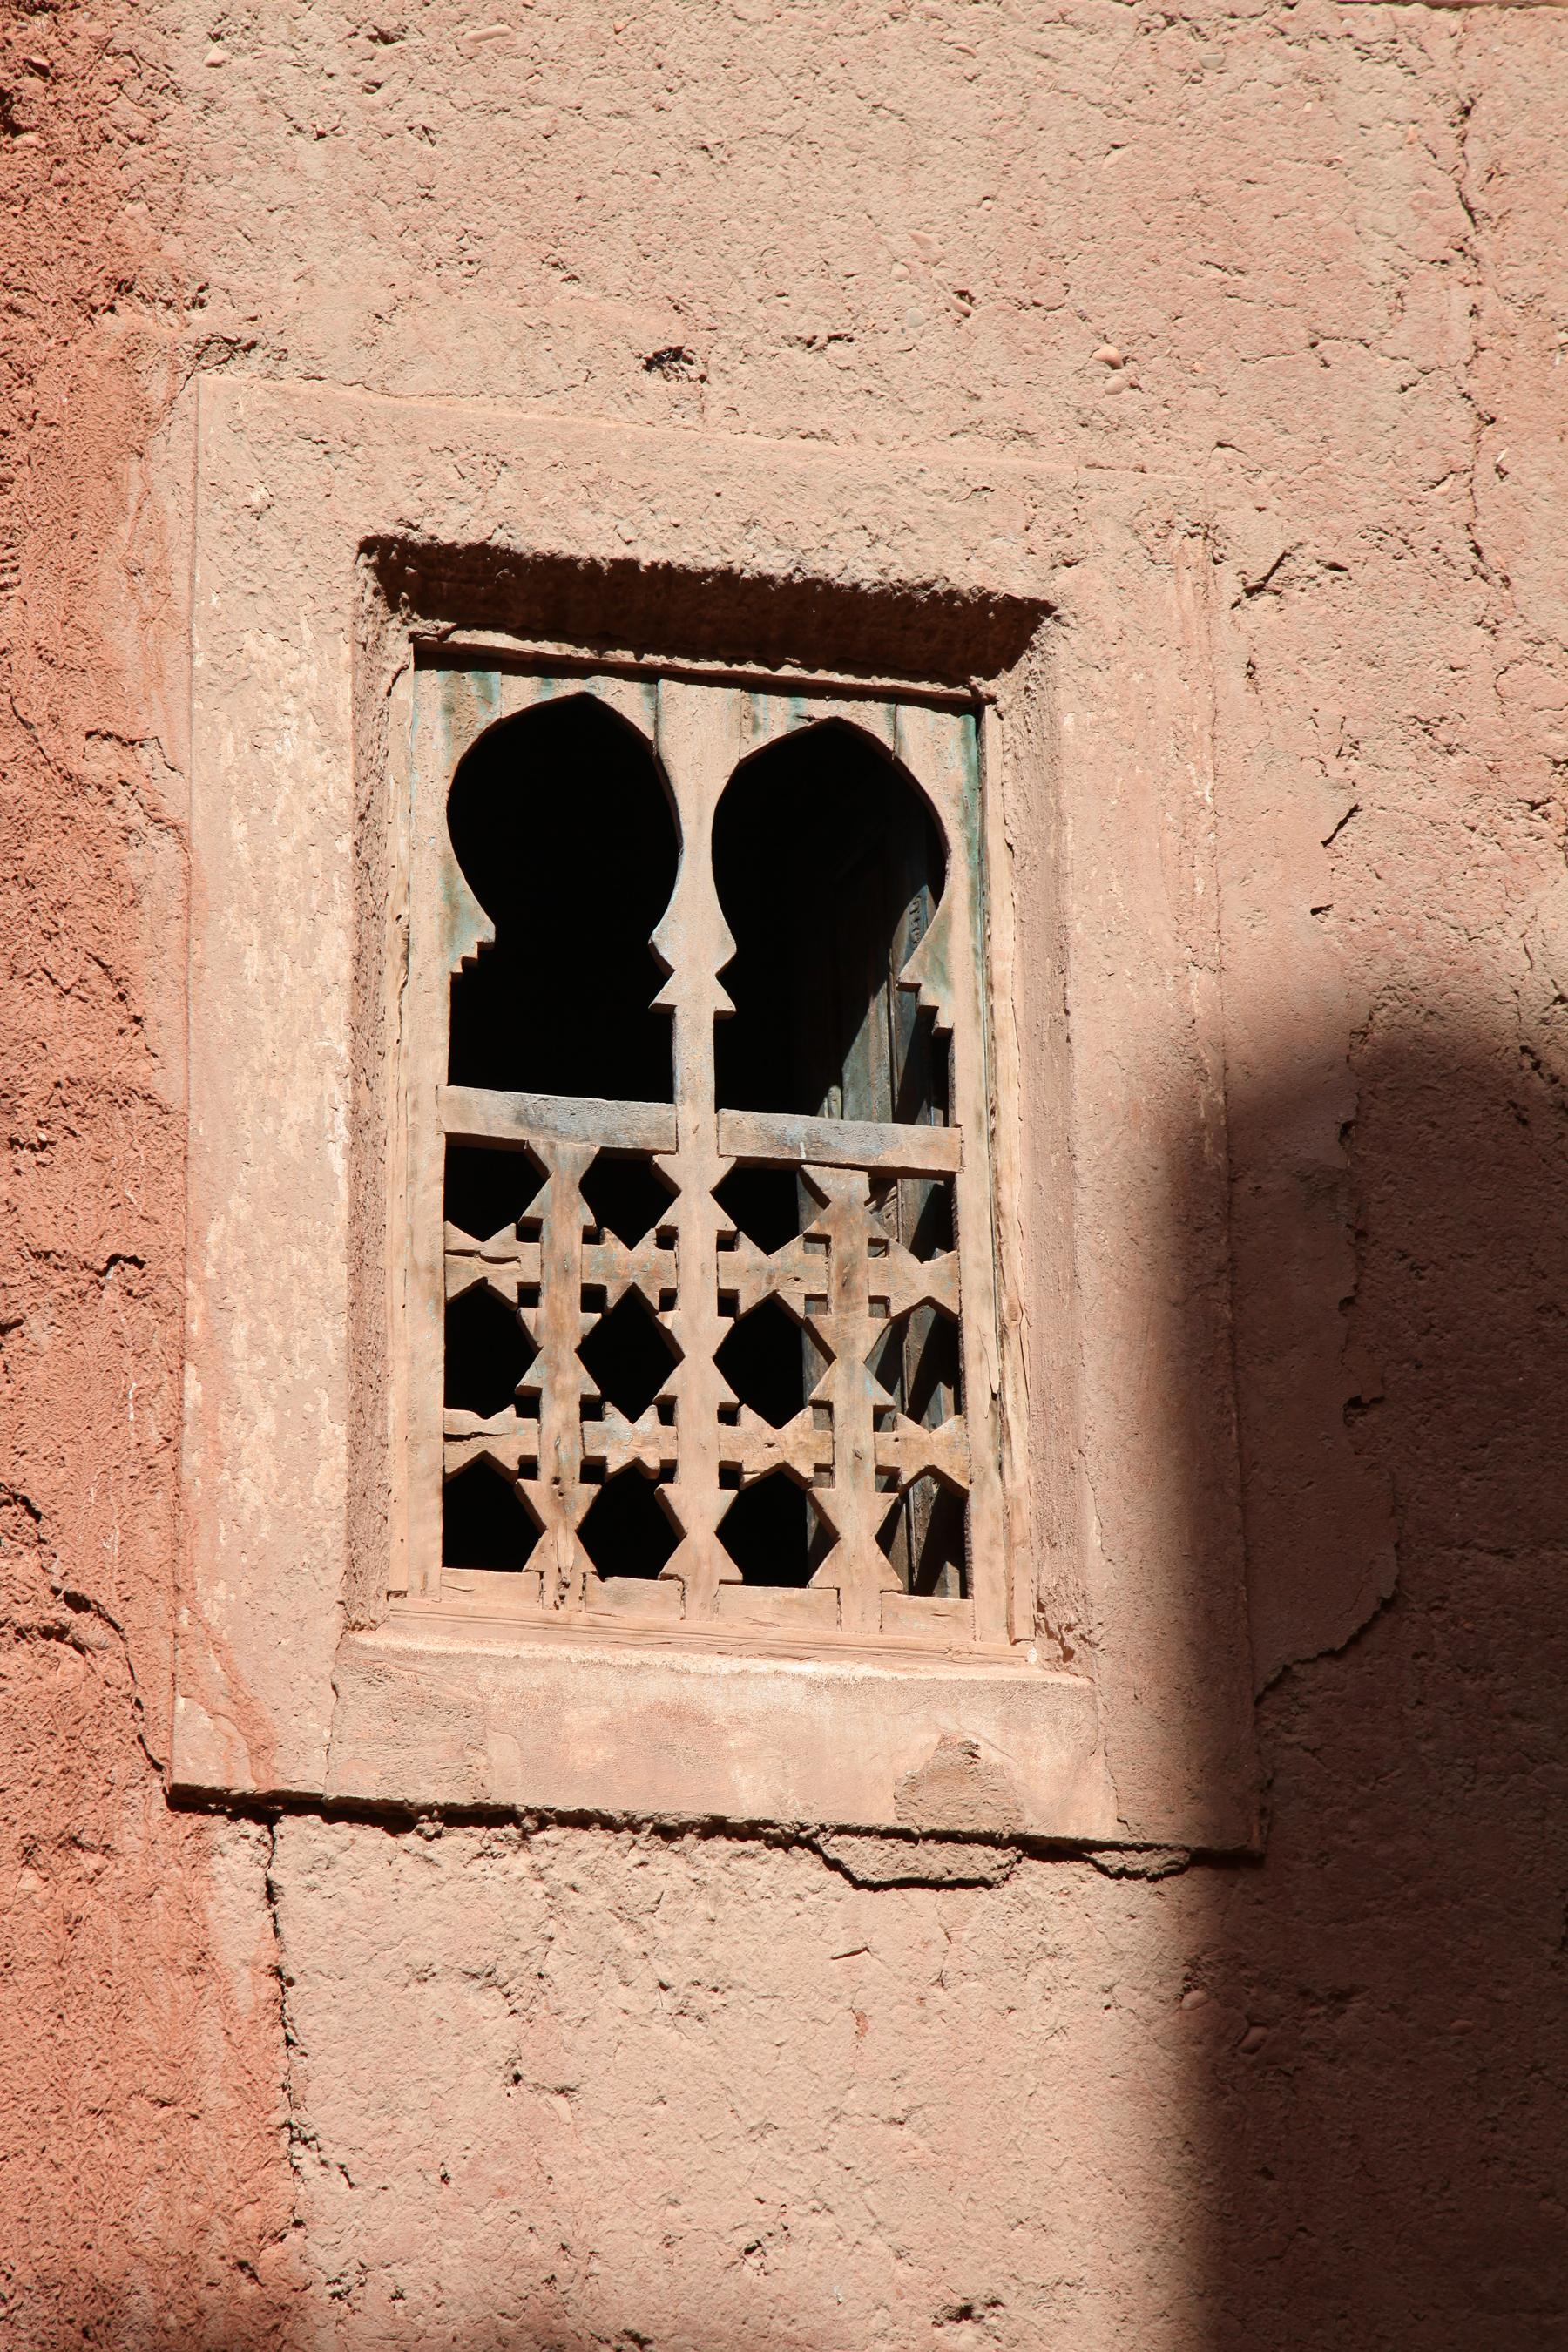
845	1280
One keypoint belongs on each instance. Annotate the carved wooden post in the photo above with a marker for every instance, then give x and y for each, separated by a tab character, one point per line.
558	1495
844	1328
698	741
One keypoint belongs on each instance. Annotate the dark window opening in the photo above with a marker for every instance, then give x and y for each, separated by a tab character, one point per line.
625	1530
487	1352
629	1356
917	1364
828	865
490	1188
484	1521
770	1362
774	1533
767	1204
560	821
923	1536
626	1195
918	1211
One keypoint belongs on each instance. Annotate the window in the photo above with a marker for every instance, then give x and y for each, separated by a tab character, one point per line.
715	1033
701	1301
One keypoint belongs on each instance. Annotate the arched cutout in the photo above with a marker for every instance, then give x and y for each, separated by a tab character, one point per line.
561	823
829	866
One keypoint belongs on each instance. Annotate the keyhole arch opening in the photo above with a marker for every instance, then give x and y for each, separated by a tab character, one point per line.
563	826
829	864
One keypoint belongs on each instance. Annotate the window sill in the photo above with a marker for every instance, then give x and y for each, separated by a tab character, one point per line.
447	1713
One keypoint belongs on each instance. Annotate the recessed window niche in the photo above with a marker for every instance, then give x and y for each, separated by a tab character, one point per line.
701	971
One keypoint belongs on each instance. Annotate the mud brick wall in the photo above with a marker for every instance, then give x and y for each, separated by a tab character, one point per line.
279	2082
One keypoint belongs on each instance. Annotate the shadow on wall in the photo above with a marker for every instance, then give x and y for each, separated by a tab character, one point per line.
1382	2003
1367	2150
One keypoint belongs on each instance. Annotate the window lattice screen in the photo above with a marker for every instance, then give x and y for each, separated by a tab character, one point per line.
701	1296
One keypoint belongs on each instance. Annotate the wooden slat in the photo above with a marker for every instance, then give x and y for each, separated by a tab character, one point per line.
476	1115
699	745
500	1593
787	1607
780	1139
846	1330
928	1617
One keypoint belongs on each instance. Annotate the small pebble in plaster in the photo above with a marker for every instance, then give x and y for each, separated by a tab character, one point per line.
1109	356
217	57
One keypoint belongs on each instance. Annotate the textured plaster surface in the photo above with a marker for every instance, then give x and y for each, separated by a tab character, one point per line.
695	2093
1119	1227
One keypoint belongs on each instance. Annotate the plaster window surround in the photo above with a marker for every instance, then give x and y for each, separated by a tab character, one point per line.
708	1287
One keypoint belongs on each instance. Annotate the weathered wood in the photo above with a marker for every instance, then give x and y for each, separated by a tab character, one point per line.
846	1330
779	1139
503	1263
847	1279
753	1447
556	1495
699	743
475	1114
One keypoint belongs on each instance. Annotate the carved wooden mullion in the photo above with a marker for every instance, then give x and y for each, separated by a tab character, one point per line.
500	1438
617	1266
557	1495
907	1450
900	1281
617	1443
699	745
789	1275
843	1326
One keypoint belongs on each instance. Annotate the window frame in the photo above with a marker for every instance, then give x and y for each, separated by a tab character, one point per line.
332	532
700	723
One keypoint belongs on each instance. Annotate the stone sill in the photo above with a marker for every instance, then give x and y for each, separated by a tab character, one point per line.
428	1716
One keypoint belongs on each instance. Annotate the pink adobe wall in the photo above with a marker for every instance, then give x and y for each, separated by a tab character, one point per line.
337	2083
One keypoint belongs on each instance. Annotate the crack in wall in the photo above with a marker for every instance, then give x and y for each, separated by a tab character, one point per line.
297	2134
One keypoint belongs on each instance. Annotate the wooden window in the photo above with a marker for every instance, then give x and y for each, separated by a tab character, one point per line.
702	1300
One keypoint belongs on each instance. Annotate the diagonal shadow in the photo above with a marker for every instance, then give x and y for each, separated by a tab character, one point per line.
1380	2086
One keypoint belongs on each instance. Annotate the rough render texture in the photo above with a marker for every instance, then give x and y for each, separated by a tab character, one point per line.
330	2084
